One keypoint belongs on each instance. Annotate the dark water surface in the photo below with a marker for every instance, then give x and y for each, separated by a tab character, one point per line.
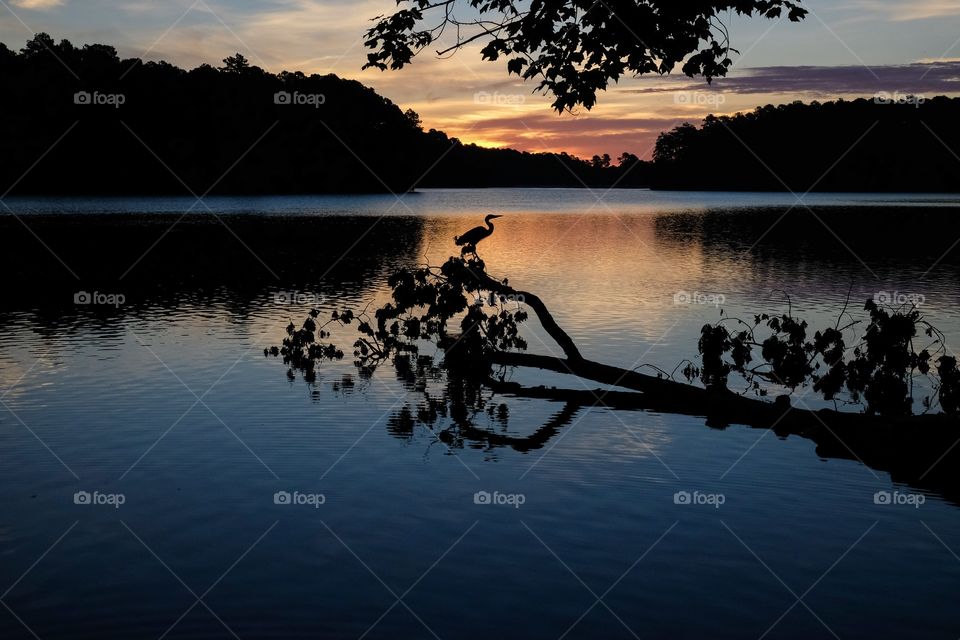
167	403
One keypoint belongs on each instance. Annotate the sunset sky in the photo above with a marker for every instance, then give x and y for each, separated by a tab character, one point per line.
845	48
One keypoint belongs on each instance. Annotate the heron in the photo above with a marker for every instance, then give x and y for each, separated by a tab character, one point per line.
470	239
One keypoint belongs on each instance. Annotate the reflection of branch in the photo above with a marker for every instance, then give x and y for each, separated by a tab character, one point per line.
536	440
581	397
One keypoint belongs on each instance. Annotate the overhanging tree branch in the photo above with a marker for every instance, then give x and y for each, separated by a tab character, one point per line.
574	48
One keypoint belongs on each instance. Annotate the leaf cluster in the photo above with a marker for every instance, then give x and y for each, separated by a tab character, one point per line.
574	48
877	369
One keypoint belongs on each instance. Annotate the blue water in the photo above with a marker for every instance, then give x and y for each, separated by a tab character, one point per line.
167	404
446	202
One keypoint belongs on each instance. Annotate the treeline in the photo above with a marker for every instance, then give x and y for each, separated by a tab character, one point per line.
83	120
908	144
95	123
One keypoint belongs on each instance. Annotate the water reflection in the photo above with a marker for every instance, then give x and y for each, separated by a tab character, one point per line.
464	412
162	261
615	296
83	378
882	240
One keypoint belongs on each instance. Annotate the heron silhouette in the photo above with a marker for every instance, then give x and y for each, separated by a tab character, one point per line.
470	239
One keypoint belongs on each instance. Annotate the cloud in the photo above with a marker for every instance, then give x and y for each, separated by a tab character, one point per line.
937	60
899	11
38	5
582	136
326	36
927	78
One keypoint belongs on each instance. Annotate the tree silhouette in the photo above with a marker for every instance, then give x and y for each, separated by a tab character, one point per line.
451	334
237	64
573	47
601	162
200	122
414	119
475	320
859	145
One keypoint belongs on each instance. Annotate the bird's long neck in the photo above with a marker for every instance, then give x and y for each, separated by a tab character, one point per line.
490	225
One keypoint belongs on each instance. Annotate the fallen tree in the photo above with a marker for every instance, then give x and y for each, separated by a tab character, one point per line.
875	372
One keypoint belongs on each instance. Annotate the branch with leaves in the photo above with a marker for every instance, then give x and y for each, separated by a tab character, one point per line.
877	369
574	48
473	319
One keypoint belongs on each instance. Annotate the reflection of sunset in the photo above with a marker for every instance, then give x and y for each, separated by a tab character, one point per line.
540	245
599	273
263	277
15	376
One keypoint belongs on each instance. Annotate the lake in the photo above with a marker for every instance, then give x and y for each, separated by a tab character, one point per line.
162	478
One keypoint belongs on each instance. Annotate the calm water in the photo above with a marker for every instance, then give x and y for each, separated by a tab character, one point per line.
168	401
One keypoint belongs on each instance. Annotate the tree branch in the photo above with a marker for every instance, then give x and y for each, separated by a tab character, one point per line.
564	341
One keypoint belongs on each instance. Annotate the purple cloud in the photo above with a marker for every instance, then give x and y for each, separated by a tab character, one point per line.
933	78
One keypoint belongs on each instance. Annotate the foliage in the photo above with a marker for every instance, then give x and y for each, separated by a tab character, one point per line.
225	129
859	145
458	309
424	303
574	47
877	369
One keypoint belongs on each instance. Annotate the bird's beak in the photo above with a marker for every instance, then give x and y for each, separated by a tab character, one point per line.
496	217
